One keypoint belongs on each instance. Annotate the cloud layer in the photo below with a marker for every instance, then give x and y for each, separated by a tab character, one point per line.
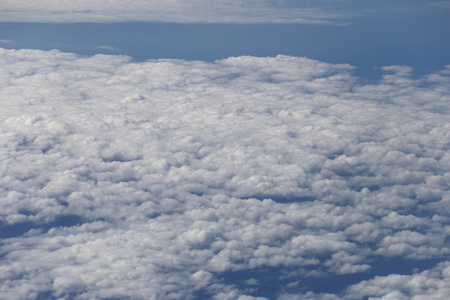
176	11
323	12
154	179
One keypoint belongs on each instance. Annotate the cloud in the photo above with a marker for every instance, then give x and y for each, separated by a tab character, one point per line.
440	5
319	12
432	284
3	41
107	48
122	179
187	11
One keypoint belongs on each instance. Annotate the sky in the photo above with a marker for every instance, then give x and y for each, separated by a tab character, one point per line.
224	149
365	34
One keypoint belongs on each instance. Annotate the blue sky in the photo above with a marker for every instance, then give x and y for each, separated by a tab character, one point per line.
364	34
194	149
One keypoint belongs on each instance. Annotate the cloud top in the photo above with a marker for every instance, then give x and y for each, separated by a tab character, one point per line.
175	11
171	177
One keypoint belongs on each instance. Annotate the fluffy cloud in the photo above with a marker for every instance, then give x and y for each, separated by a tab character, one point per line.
429	284
177	11
154	179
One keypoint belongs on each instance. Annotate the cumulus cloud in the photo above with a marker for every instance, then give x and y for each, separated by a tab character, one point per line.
429	284
176	11
124	180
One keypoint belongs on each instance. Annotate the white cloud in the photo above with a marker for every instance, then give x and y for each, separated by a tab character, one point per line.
176	11
429	284
122	179
108	48
3	41
321	12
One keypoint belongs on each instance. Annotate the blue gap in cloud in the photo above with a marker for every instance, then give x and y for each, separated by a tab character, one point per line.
418	40
272	281
18	229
